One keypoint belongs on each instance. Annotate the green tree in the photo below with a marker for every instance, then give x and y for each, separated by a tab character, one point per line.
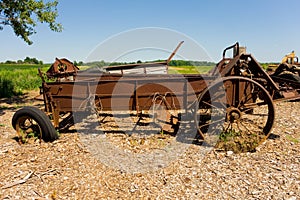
23	16
34	61
10	62
27	60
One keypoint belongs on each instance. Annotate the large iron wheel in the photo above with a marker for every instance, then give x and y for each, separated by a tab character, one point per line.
235	111
31	121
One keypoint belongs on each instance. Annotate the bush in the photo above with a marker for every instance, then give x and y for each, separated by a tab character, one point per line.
6	87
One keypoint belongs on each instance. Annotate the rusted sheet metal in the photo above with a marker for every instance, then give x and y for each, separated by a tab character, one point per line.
63	70
127	92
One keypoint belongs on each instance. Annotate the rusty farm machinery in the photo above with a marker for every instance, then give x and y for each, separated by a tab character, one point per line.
235	97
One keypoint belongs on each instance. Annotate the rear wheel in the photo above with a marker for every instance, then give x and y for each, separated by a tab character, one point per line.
236	113
31	121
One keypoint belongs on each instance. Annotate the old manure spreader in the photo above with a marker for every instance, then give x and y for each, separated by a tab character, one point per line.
233	101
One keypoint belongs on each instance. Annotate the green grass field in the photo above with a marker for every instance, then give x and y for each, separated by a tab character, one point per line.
17	78
189	69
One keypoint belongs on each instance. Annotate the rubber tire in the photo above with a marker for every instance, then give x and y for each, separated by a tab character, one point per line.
49	133
292	77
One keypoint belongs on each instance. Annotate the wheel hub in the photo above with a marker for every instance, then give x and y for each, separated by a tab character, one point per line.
233	114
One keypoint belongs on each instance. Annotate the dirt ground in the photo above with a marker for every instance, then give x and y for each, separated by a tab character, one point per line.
67	169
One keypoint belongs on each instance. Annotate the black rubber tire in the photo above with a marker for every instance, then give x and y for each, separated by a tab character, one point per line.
49	133
292	77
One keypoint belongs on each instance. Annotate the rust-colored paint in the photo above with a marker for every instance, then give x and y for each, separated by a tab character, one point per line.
63	70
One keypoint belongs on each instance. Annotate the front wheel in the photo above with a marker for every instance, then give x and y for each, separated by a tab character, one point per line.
32	121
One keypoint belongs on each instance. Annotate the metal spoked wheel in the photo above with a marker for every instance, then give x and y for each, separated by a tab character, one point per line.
235	113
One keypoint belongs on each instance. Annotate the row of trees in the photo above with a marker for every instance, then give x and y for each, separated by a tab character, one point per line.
27	60
190	63
35	61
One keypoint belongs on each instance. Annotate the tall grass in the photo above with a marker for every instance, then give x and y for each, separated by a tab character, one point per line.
17	78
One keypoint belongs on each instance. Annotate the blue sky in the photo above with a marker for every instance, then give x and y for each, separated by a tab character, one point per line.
268	28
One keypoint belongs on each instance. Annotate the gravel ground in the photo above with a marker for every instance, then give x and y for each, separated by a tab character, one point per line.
67	169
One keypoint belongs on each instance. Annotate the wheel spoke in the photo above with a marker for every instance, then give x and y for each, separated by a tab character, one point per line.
212	105
254	105
211	123
251	123
218	97
259	114
241	123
